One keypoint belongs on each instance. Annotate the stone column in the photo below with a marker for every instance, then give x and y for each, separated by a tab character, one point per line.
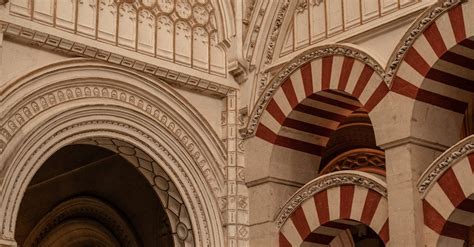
406	159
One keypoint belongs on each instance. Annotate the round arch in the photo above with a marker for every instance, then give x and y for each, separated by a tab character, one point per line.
306	101
80	99
422	69
447	192
346	195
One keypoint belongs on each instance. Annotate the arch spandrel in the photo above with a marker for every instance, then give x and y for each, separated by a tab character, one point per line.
119	103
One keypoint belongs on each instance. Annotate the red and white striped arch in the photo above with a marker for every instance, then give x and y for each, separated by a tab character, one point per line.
448	199
438	69
332	210
313	99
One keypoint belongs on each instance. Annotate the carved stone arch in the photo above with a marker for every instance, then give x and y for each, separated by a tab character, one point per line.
305	103
348	53
447	191
100	219
336	197
427	73
68	105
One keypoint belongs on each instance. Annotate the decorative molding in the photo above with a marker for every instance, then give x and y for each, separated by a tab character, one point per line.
12	124
355	159
303	4
422	22
31	105
325	182
296	63
121	104
449	158
44	40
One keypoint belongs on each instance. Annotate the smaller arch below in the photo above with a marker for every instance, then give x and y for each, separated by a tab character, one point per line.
348	195
84	220
447	191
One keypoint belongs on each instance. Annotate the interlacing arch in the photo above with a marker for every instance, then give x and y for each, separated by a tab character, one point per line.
329	205
447	189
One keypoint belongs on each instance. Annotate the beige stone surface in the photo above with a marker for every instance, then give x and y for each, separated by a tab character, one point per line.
184	85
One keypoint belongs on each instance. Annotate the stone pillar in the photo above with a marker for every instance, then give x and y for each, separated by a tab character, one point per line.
406	160
269	187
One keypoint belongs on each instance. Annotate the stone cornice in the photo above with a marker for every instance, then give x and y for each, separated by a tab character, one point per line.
325	182
449	158
67	46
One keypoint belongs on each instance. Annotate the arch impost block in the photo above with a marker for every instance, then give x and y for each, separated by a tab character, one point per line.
443	163
325	182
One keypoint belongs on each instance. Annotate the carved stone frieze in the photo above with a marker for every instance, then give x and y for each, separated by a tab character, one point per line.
356	159
41	39
444	162
323	183
296	63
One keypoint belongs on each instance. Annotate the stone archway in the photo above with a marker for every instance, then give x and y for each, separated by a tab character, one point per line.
82	221
446	189
81	99
339	196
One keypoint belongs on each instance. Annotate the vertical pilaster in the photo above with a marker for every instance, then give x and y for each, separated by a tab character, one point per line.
237	195
405	161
